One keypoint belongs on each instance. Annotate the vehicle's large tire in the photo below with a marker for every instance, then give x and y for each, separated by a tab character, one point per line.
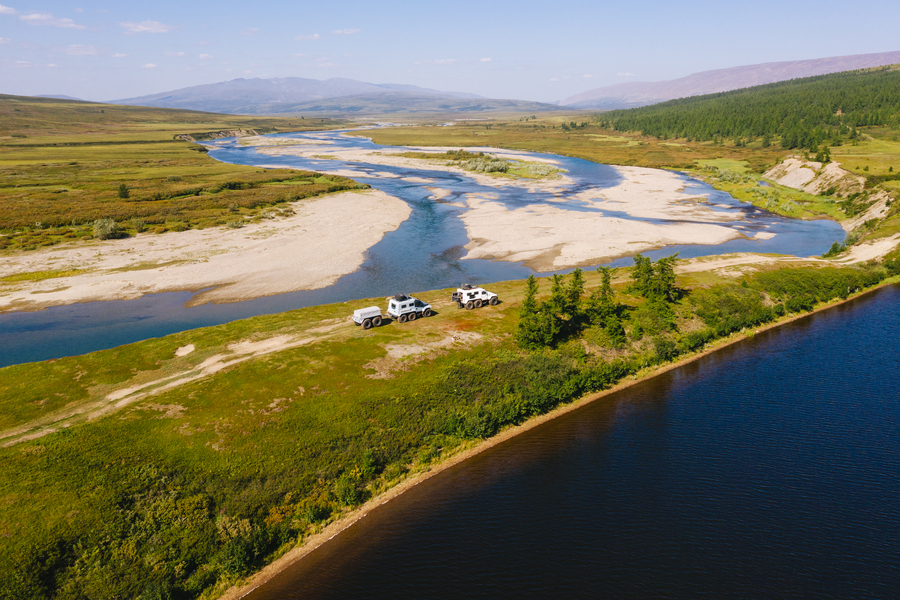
478	303
495	301
469	305
376	321
402	318
367	324
412	316
427	312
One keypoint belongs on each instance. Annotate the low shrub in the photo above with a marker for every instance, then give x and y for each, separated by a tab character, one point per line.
105	229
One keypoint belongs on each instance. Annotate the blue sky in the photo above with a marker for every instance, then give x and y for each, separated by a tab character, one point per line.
527	50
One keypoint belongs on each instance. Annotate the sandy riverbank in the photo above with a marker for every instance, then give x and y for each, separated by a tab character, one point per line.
315	541
324	239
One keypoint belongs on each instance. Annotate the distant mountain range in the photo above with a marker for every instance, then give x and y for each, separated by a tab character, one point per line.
332	96
60	97
632	94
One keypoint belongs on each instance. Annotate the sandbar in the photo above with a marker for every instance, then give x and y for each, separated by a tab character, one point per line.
326	238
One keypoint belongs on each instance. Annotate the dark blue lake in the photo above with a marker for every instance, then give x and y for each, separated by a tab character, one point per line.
770	469
426	252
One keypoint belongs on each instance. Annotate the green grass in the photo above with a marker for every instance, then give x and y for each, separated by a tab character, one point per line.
41	275
738	166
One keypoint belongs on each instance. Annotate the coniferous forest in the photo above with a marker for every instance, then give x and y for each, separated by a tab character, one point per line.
802	113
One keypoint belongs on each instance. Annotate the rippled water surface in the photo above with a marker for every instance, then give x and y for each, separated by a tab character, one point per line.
426	252
770	469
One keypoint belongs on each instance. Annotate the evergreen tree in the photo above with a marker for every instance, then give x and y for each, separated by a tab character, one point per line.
600	304
528	329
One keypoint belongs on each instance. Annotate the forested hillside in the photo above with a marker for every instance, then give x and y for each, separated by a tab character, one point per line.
800	113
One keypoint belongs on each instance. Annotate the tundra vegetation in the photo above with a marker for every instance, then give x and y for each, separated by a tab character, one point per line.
78	170
184	492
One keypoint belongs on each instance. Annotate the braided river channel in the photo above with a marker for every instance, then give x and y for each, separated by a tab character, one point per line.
769	469
426	252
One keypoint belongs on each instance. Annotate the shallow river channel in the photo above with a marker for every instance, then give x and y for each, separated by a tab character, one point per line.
425	252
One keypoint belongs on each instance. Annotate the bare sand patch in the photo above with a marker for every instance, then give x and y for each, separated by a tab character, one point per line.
656	194
438	193
547	237
878	210
812	178
402	356
870	250
794	173
733	265
326	238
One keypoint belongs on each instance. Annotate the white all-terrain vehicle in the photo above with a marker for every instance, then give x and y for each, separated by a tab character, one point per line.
474	297
406	308
367	317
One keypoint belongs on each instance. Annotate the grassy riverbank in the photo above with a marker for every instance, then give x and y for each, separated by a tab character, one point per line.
260	432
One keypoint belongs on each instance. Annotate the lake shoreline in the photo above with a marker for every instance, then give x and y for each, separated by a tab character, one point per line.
333	529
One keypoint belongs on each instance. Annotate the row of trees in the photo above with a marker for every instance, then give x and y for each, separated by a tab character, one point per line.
804	113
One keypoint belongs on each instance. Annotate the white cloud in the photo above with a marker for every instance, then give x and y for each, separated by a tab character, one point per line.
80	50
119	55
586	76
484	60
174	53
346	31
5	10
48	19
149	66
79	10
52	66
23	62
554	79
250	31
146	27
247	72
314	36
624	74
441	61
5	41
206	56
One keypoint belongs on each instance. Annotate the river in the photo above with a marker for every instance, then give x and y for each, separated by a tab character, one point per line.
769	469
426	252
